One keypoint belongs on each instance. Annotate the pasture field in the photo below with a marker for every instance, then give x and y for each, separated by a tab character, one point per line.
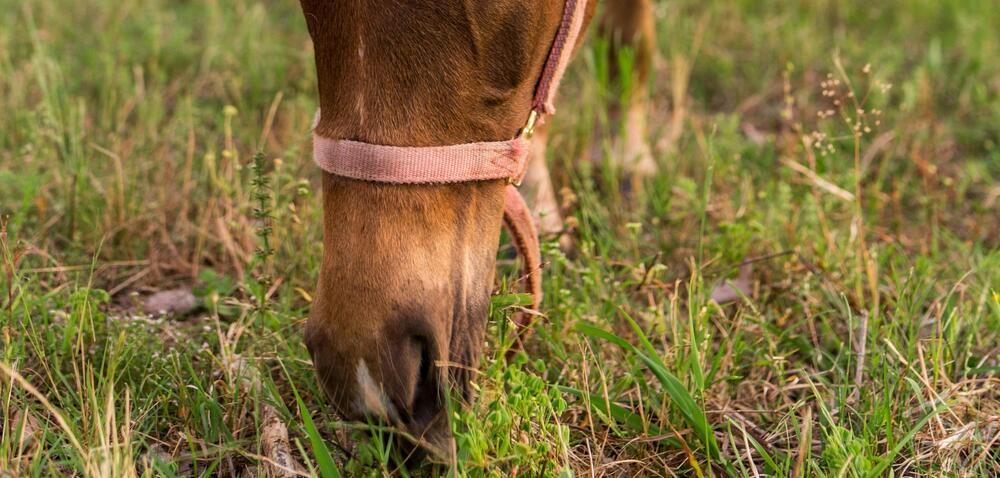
833	166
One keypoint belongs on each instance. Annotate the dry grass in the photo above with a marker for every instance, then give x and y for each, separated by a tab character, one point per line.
855	222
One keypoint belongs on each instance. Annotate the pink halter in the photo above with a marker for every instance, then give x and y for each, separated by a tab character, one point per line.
473	161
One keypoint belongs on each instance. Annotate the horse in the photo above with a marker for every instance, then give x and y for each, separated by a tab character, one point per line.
399	316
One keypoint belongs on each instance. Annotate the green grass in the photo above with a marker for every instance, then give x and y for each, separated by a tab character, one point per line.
866	342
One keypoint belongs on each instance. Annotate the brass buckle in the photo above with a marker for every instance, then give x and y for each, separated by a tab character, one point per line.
526	132
529	127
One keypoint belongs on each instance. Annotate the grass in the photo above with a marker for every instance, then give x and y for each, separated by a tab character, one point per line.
864	341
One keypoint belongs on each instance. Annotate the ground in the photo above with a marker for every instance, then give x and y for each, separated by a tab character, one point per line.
836	163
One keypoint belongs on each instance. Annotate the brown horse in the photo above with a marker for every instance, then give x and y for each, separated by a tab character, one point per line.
408	270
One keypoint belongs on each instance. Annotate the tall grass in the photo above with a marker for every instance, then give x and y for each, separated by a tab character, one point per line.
855	222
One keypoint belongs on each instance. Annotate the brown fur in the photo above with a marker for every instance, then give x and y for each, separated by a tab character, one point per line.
408	269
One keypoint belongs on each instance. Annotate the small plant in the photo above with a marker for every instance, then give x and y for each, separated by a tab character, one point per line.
260	192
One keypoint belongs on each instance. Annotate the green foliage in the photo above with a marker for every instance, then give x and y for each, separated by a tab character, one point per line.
501	429
167	142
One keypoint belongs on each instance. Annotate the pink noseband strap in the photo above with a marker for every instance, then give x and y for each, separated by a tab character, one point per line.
423	165
506	160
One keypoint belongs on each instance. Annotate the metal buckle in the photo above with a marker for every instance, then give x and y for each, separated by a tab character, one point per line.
529	127
526	132
516	180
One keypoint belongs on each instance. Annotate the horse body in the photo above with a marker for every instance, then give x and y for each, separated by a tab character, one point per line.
407	271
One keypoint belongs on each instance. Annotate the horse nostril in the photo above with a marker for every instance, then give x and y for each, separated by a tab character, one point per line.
427	394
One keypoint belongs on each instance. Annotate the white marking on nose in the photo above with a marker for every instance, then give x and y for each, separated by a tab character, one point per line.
371	398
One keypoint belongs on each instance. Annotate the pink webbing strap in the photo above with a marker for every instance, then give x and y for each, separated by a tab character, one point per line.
520	226
423	165
559	56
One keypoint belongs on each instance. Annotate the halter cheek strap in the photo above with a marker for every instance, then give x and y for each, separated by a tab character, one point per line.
482	161
560	55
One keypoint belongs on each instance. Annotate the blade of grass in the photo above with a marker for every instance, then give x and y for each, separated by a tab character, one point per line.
324	460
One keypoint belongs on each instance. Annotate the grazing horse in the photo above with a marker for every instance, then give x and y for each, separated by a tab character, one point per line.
408	269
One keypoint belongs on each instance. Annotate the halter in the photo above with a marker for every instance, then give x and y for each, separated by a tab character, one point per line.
481	161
